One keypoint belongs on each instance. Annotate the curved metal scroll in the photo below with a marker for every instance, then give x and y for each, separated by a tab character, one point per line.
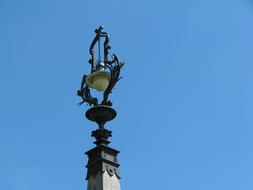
99	34
84	93
115	73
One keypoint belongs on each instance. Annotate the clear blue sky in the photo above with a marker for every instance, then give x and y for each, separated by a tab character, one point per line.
185	104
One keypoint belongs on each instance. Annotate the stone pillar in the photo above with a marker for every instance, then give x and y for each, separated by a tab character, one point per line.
103	166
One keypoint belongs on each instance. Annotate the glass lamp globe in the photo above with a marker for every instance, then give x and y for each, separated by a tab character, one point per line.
98	80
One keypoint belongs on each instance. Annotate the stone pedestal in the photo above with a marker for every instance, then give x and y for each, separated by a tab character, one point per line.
103	167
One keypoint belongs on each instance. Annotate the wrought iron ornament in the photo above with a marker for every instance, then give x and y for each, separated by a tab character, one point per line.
113	67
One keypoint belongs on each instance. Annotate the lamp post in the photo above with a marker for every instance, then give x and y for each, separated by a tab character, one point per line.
103	167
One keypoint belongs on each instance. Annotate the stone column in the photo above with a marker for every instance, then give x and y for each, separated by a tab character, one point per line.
103	166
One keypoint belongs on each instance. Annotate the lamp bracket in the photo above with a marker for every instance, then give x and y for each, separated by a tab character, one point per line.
113	66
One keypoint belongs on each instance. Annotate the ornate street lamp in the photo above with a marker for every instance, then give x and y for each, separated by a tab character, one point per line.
103	77
102	165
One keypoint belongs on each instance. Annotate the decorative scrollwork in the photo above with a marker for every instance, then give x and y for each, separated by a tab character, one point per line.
113	66
115	73
84	93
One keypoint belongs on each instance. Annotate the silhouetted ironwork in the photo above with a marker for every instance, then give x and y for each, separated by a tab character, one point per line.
113	66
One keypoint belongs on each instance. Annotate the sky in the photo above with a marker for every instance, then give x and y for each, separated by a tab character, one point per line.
184	105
